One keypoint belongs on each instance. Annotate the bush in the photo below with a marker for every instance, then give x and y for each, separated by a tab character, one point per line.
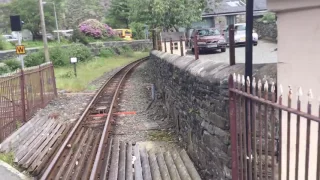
59	56
82	52
79	37
126	51
34	59
96	29
4	69
107	52
13	64
138	30
268	17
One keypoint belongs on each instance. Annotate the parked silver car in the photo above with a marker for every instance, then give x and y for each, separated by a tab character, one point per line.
10	38
240	35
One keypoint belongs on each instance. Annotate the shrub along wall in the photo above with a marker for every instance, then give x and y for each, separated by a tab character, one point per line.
195	94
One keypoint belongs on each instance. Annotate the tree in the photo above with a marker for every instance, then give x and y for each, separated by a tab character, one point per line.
30	15
77	11
118	15
166	14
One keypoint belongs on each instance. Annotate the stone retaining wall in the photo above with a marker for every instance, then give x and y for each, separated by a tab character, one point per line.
195	94
95	47
266	30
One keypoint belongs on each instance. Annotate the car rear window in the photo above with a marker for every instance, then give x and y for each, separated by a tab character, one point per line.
208	32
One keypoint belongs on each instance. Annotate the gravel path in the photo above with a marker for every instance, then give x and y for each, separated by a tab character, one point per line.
150	125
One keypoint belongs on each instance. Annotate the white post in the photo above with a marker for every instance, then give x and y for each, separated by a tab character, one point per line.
20	57
44	33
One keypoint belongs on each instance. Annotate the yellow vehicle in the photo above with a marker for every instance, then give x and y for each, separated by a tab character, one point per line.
124	33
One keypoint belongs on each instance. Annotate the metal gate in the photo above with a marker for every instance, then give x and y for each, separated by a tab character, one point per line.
270	140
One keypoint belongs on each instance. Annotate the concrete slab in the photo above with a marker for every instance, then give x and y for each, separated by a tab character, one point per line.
9	173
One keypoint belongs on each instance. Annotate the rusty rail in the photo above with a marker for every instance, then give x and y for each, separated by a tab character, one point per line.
93	163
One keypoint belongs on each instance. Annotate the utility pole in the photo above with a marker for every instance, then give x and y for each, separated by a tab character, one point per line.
44	33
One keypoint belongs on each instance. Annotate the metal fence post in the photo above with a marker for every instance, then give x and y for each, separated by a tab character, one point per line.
171	46
23	98
196	48
165	45
181	46
233	129
41	87
232	45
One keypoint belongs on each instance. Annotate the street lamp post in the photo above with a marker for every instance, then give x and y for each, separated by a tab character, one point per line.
55	16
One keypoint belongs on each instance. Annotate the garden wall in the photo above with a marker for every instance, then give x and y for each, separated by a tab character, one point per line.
195	93
266	30
95	47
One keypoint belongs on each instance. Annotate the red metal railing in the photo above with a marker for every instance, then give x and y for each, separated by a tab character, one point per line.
262	146
22	94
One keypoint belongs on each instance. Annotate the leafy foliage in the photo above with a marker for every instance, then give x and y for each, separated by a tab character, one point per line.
108	52
77	11
34	59
13	64
138	30
79	37
29	13
4	69
118	14
166	14
268	17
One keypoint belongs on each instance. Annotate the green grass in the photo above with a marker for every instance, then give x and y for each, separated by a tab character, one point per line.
91	70
8	158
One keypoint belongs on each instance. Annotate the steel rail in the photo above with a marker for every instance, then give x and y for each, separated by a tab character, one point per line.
84	114
104	134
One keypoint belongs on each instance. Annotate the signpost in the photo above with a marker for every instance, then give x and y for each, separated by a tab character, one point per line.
74	61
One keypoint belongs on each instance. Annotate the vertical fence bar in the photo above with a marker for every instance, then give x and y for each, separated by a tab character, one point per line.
288	134
165	45
273	122
261	129
195	47
298	137
280	136
249	130
245	144
171	46
308	137
233	129
254	130
41	87
181	46
240	131
318	155
23	100
266	153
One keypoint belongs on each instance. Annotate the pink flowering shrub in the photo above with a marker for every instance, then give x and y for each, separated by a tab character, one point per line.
96	29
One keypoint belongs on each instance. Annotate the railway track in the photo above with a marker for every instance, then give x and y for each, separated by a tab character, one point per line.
85	152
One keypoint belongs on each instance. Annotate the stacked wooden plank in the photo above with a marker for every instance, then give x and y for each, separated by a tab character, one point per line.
34	143
129	160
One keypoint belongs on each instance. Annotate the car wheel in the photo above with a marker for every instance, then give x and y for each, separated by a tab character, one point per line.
223	50
255	43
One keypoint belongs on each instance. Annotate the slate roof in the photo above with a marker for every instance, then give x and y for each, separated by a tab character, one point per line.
232	7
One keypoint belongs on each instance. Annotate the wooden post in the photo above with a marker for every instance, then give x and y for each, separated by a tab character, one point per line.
165	45
181	46
54	80
41	88
232	57
171	46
